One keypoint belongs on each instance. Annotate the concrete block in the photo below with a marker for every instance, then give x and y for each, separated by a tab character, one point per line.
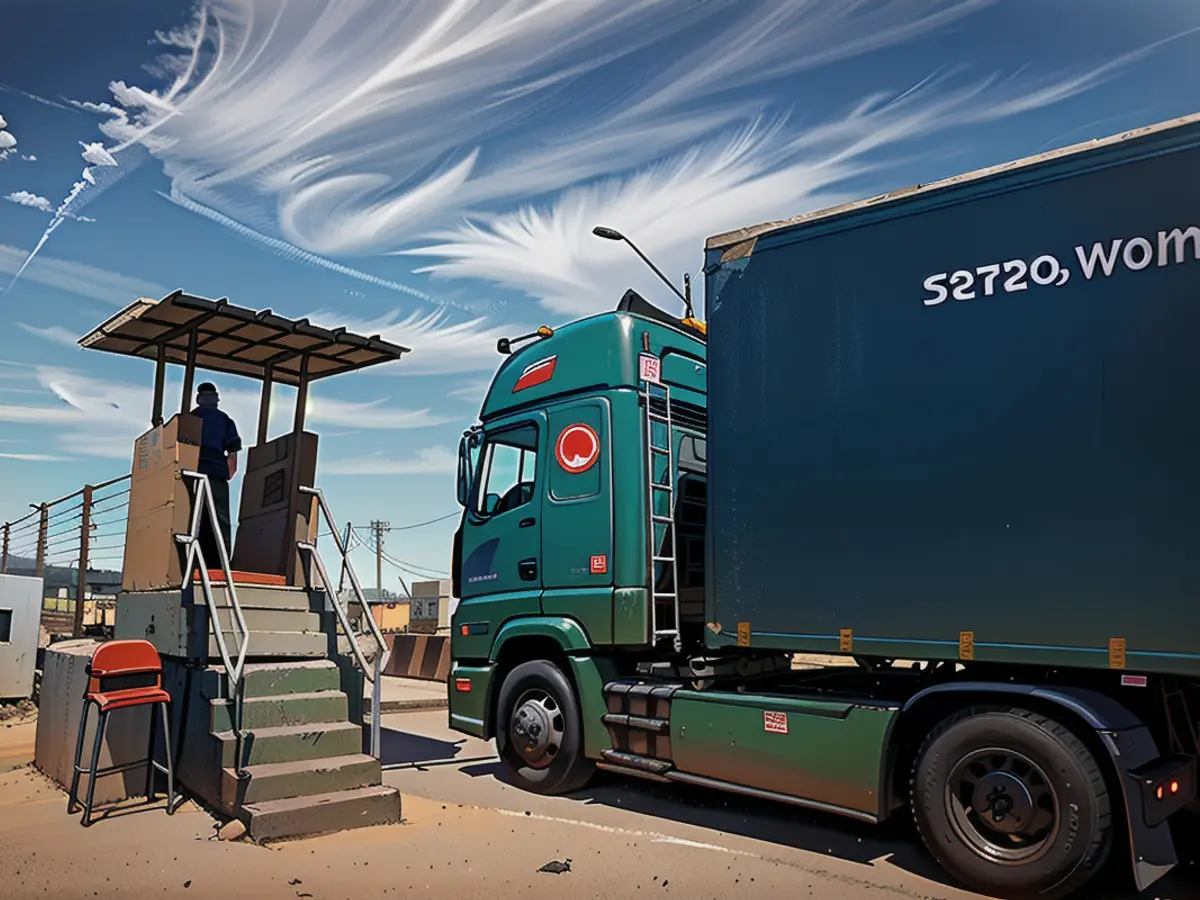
286	709
292	743
64	681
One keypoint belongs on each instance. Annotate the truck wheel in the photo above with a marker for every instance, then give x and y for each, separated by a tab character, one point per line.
1011	803
540	730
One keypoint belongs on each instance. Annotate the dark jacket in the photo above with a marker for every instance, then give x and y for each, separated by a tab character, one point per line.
218	436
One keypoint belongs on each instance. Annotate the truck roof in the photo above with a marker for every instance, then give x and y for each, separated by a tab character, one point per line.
739	242
598	352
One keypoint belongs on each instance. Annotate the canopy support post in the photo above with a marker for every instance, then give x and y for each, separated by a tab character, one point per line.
264	404
189	374
160	379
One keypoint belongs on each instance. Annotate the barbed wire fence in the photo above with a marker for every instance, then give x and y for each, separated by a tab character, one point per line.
81	532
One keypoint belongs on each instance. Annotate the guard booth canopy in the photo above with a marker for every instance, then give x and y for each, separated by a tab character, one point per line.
216	336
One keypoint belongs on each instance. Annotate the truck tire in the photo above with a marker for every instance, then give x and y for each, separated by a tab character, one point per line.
539	734
1047	827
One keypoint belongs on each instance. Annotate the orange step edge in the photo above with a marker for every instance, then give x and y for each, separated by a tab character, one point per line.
217	576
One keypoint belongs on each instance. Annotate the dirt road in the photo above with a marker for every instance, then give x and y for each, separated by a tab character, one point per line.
469	835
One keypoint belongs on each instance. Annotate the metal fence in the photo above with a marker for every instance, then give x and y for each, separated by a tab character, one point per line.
65	539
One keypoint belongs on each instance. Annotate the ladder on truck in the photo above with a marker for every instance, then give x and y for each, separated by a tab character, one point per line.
664	605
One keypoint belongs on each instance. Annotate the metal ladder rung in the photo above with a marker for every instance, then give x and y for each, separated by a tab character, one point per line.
664	559
661	451
655	417
654	485
658	595
663	520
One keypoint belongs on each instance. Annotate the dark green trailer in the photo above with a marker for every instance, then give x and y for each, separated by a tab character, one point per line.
952	445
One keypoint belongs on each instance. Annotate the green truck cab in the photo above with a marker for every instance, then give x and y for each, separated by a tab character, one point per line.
1001	555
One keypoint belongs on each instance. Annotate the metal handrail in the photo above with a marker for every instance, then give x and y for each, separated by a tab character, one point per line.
203	501
383	653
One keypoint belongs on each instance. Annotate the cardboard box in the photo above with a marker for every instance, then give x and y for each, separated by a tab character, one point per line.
159	503
273	514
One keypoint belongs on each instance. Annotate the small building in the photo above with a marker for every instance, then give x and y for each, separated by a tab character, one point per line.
432	606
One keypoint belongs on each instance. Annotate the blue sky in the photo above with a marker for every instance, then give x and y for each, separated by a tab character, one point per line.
431	171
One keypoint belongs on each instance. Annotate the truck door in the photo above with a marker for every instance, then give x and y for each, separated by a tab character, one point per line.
577	516
501	572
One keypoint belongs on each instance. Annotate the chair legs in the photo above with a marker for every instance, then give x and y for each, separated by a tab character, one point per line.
94	772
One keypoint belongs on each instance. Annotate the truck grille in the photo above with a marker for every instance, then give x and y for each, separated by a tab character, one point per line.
685	415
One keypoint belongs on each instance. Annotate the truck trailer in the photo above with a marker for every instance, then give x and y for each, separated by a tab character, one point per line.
947	436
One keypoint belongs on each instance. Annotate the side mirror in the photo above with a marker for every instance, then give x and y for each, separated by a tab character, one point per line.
464	473
490	503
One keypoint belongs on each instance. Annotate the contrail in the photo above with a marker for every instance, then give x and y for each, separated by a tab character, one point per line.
60	214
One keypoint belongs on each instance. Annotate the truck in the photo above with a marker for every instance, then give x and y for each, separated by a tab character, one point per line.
942	444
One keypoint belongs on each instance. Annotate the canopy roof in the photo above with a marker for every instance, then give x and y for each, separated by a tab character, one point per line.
235	340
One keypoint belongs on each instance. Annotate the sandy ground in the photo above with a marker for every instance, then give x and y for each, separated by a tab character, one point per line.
468	834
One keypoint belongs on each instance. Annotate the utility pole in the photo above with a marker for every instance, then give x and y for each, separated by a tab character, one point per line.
377	529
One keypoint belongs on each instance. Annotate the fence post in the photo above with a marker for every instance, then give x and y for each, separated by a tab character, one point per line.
85	538
4	551
43	523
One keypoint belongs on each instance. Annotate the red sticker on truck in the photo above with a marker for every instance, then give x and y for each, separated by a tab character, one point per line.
577	448
775	722
599	565
536	373
649	368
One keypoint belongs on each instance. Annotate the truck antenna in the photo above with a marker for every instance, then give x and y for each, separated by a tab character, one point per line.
611	234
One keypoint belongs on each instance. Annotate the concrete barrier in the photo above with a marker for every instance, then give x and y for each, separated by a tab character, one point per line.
64	680
423	656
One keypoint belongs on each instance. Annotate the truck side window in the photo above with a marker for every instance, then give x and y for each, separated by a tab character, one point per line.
509	471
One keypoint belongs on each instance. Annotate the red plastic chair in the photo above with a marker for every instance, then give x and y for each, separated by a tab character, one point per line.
123	675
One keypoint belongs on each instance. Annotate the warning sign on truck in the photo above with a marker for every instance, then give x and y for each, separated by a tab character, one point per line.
775	722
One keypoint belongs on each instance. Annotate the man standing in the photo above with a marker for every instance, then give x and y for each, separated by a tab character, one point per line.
219	446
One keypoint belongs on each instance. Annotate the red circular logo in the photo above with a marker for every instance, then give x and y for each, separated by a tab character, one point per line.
577	448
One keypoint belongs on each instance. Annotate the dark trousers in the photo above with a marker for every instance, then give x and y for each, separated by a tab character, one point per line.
208	544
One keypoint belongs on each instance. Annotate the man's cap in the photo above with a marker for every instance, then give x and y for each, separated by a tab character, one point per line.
207	388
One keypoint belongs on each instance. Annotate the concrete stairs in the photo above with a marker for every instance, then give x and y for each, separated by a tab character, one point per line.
283	621
301	751
305	772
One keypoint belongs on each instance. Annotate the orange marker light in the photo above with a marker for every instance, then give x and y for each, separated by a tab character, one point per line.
1174	787
1159	792
462	685
464	631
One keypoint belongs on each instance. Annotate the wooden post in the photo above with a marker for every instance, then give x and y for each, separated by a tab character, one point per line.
160	381
40	569
264	405
189	374
85	538
4	551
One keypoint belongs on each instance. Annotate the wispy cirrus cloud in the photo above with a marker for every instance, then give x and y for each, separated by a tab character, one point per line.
54	333
79	278
101	418
370	130
427	461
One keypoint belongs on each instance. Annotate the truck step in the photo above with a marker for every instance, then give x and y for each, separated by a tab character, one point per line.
642	723
634	761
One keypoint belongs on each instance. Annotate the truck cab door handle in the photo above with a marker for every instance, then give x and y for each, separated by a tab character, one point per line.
527	523
527	568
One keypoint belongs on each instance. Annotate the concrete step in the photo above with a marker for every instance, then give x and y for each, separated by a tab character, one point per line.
322	813
257	596
282	781
271	679
312	645
283	709
292	743
271	619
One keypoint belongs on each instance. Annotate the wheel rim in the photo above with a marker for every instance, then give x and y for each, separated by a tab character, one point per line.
1002	806
537	728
